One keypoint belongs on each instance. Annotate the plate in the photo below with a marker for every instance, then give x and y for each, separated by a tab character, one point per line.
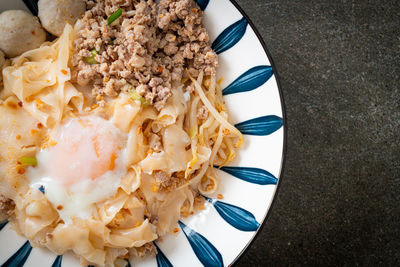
220	233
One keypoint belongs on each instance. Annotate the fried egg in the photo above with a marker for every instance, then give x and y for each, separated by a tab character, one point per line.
82	162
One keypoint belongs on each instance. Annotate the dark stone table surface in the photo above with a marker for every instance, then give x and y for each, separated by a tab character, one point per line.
339	199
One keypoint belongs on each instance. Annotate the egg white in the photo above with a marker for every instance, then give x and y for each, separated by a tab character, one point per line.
77	200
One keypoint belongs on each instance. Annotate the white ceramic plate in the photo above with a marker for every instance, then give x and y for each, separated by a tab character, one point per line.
218	235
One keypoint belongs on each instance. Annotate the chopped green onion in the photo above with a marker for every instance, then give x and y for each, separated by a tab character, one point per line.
114	16
31	161
91	60
136	96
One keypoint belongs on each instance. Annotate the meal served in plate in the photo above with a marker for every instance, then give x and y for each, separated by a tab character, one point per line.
109	133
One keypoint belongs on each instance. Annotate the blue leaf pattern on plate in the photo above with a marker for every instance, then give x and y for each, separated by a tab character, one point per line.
32	5
19	258
41	189
250	80
251	175
162	260
207	254
260	126
237	217
2	224
230	36
57	262
202	3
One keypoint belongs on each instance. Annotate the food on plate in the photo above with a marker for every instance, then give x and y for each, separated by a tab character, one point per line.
110	133
2	59
19	32
148	48
54	14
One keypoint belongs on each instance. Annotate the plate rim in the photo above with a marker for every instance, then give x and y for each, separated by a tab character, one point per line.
270	206
284	127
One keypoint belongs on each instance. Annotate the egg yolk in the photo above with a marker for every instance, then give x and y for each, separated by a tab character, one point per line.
84	148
